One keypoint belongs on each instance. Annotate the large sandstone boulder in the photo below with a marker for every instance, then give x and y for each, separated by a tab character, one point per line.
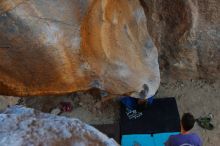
20	126
54	47
187	35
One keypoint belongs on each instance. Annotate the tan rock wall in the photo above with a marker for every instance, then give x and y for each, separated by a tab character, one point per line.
54	47
187	35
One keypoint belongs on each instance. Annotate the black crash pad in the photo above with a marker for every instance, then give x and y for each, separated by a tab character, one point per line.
159	117
111	130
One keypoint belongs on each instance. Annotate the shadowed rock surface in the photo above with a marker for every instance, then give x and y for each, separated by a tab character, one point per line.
187	36
54	47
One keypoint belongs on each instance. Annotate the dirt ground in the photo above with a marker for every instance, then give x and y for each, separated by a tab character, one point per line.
198	97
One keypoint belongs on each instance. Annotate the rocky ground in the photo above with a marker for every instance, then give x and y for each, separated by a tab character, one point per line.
198	97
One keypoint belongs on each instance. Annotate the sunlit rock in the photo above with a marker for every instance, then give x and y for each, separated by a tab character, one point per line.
54	47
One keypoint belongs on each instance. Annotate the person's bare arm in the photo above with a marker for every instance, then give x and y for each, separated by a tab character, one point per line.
111	97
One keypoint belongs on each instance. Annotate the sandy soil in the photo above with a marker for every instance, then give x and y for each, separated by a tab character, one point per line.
197	97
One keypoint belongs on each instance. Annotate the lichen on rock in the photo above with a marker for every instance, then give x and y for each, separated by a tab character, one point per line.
20	126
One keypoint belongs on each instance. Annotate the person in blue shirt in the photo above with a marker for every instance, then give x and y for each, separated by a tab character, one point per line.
185	138
137	100
132	100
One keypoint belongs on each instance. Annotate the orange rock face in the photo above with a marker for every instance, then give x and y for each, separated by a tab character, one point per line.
55	47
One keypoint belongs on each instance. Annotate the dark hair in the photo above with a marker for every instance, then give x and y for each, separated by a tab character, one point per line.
187	121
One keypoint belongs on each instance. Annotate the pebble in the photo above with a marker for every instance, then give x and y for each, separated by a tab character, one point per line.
55	111
80	104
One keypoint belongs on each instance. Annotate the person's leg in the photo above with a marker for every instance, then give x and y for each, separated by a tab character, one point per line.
150	100
129	102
